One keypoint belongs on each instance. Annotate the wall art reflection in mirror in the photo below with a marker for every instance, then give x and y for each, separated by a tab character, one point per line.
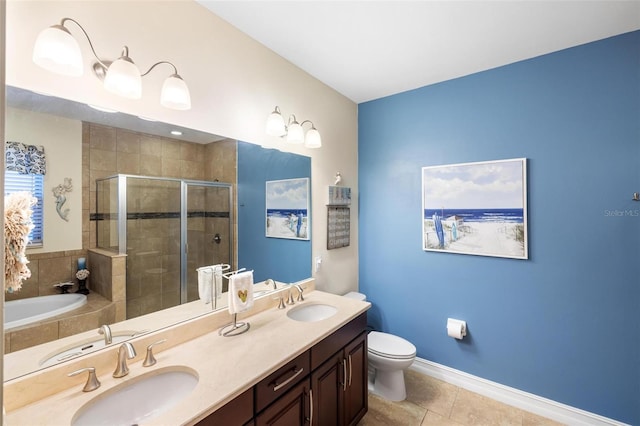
287	208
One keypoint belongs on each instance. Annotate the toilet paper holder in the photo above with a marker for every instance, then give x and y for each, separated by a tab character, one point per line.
456	328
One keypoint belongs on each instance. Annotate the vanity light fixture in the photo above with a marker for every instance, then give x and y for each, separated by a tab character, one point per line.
56	50
292	130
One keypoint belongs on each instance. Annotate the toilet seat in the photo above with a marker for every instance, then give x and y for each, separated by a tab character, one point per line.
390	346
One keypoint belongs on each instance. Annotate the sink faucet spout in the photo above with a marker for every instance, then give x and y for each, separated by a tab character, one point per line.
126	351
106	330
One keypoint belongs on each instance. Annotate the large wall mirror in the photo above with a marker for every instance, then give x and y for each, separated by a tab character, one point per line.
79	144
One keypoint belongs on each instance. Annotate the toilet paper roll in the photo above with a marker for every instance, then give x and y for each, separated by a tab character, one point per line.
456	329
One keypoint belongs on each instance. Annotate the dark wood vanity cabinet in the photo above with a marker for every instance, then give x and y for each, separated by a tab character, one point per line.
292	408
340	386
325	385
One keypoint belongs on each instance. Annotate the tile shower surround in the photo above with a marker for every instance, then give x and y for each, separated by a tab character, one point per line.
107	151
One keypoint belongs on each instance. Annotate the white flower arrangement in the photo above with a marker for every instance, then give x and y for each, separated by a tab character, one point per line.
82	274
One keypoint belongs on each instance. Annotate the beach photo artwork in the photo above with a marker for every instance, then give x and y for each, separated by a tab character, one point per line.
476	208
288	208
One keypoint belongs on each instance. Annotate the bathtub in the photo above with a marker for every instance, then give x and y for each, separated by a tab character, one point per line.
26	311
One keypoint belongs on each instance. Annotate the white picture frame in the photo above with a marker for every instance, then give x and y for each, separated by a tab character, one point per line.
476	208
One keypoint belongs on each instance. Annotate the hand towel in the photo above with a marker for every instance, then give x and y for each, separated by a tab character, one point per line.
217	277
240	292
205	283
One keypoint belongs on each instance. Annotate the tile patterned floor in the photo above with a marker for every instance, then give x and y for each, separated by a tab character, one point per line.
432	402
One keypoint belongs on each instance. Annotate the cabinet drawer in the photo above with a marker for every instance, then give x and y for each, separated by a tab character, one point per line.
281	380
338	340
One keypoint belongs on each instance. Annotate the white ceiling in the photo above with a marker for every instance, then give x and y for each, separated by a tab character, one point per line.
371	49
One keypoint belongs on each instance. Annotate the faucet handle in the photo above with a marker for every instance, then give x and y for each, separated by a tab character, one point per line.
92	381
290	300
281	304
150	360
300	291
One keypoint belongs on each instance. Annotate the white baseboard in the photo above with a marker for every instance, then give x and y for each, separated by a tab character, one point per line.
526	401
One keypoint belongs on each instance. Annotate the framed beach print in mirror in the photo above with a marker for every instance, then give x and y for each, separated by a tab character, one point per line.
287	208
476	208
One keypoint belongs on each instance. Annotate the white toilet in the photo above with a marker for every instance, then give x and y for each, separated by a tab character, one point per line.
388	356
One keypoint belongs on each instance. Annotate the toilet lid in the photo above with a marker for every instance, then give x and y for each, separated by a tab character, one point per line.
390	346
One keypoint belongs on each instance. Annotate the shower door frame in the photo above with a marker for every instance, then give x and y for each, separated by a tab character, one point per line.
184	185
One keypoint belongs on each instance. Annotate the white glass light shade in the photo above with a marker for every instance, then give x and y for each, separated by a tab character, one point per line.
175	93
275	124
56	50
295	133
312	139
123	78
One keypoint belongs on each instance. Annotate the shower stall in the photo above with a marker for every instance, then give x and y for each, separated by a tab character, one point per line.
167	228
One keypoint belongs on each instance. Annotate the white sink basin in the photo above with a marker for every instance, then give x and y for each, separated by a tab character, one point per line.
312	312
138	399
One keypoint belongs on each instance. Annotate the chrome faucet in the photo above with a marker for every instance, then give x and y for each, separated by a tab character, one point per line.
126	351
106	330
271	282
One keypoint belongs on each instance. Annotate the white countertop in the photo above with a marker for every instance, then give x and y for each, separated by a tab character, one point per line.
226	366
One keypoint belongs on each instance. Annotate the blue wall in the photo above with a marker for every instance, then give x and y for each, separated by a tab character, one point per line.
280	259
564	324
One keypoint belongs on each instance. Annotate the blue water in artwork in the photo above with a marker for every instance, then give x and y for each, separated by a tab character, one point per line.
285	212
479	215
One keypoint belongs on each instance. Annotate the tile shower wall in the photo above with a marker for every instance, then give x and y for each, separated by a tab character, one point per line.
153	276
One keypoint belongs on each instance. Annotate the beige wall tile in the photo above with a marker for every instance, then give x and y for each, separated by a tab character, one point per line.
192	170
79	323
128	163
171	167
54	270
102	160
34	335
170	150
102	137
150	165
150	145
127	141
191	151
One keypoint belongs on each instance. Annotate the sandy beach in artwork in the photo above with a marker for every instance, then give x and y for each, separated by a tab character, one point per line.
486	238
278	226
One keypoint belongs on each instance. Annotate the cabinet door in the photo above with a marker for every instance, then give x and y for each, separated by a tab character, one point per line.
291	409
327	382
356	395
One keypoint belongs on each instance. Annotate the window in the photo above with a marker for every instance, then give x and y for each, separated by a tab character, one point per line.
16	182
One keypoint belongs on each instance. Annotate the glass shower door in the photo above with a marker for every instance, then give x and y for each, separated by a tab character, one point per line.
153	245
207	231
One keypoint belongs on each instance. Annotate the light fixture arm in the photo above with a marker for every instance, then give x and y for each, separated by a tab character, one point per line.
95	55
308	121
175	70
295	120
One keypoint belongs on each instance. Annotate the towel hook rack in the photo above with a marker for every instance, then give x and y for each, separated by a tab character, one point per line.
235	328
